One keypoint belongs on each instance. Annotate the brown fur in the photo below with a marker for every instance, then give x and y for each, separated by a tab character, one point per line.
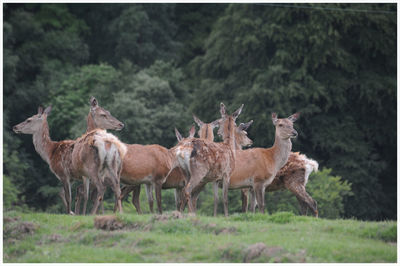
204	161
256	168
292	176
68	160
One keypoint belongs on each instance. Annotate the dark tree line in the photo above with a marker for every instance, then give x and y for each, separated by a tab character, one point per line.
153	65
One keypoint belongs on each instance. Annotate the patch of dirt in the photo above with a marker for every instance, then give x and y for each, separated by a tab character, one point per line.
260	252
19	230
108	223
53	238
167	216
225	230
254	251
11	219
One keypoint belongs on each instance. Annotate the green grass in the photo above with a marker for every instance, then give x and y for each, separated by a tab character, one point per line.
147	238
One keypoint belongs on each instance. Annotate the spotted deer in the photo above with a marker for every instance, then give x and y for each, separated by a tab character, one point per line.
241	140
204	161
256	168
99	118
70	160
293	176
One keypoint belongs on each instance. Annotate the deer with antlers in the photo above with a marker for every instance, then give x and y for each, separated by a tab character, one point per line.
94	155
204	161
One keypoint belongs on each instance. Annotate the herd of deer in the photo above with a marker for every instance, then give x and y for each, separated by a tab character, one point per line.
100	159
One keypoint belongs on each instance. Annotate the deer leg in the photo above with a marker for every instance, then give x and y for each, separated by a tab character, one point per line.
178	198
215	187
301	194
62	196
194	182
67	191
124	192
244	194
136	198
225	186
158	188
114	182
259	191
86	184
149	193
78	198
303	206
100	193
252	200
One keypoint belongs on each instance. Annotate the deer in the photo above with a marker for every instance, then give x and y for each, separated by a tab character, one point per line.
256	168
98	118
293	176
174	179
204	161
70	160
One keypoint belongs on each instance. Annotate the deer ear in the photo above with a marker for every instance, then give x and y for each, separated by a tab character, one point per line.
178	135
274	118
237	112
192	132
47	110
198	121
93	102
40	110
245	126
215	123
294	117
222	110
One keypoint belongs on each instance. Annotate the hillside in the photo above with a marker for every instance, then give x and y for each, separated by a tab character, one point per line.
281	237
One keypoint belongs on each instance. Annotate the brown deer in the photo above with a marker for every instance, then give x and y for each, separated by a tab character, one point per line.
175	179
205	161
256	168
293	176
241	140
98	118
70	160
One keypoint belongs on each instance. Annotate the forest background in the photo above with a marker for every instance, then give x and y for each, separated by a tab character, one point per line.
153	65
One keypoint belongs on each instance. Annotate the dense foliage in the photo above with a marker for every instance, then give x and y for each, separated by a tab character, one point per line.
152	65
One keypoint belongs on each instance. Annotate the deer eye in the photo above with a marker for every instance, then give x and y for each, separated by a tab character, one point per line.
28	121
280	125
103	115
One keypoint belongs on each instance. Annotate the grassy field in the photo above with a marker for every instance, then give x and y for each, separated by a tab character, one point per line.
281	237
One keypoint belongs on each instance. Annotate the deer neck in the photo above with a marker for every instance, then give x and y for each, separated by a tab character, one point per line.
229	136
281	150
42	142
91	125
207	133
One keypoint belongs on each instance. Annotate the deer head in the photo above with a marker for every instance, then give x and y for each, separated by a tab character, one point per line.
284	126
179	137
241	138
206	129
102	118
227	122
34	123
